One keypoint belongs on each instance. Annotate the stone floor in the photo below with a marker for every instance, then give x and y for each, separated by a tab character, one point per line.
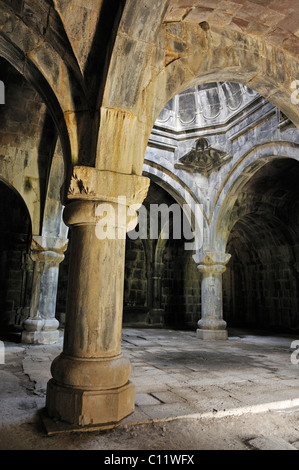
184	387
176	374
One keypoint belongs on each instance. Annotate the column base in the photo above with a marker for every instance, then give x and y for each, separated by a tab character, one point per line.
218	335
85	408
156	317
40	337
40	331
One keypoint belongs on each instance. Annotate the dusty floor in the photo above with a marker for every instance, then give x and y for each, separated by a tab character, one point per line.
239	394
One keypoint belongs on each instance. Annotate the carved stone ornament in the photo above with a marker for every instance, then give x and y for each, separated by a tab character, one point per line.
89	183
203	159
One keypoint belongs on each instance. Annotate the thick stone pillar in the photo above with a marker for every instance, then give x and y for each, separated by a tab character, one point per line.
211	326
90	384
42	327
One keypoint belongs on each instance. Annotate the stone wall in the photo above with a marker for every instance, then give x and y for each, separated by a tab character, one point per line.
27	138
135	289
180	287
261	296
162	285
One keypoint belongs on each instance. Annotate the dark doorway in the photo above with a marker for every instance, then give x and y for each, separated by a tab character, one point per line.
15	265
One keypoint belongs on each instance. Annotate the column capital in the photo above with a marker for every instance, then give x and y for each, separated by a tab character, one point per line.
91	188
48	250
42	327
213	262
110	220
92	184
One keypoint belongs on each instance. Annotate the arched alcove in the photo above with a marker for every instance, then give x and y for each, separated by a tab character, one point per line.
253	194
261	282
161	281
15	265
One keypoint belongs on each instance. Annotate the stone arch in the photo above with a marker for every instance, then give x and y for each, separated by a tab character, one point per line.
191	54
243	170
27	141
20	197
52	224
261	280
44	69
211	53
192	208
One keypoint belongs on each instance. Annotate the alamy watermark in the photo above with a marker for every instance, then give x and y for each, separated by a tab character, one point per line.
295	354
295	94
159	221
2	353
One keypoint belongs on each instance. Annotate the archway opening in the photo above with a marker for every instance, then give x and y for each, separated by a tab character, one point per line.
161	287
261	282
16	268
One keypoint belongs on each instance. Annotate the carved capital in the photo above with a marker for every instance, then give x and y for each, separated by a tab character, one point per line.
115	216
91	184
213	262
48	250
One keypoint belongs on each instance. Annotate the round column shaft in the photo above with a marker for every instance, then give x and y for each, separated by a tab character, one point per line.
90	384
42	327
211	325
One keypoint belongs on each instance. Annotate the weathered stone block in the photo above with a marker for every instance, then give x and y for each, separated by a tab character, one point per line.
40	337
90	407
210	335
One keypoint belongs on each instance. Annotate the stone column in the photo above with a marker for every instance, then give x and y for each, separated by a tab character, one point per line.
157	314
42	327
90	384
23	312
211	326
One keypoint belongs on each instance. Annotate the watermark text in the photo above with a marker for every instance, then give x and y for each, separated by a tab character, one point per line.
2	353
117	221
295	354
